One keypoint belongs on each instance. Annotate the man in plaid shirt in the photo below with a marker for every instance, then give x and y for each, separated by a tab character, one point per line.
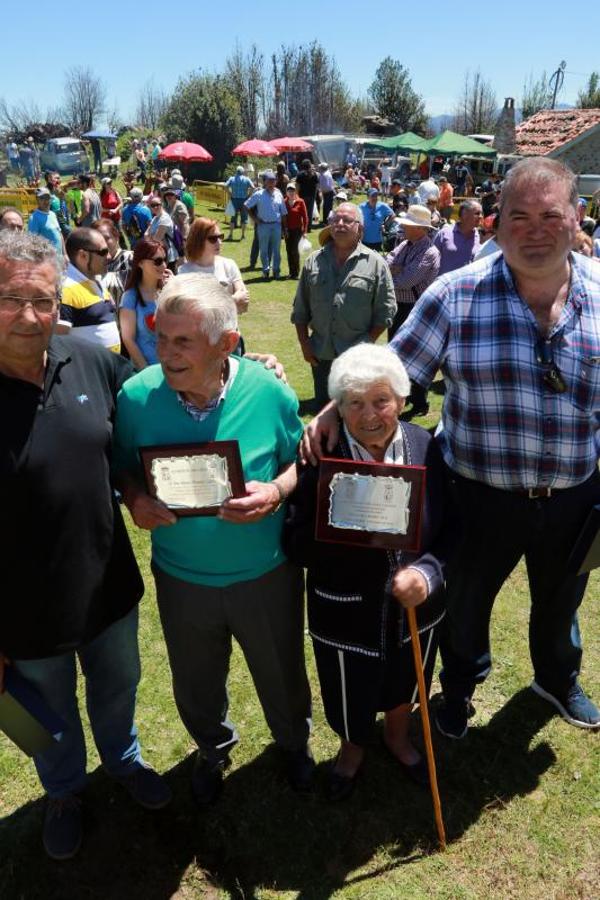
517	338
414	264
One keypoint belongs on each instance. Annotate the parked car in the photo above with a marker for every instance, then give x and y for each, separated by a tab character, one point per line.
64	155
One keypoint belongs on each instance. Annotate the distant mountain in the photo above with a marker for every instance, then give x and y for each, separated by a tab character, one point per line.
440	123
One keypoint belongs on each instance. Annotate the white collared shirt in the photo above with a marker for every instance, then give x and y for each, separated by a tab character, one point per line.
394	452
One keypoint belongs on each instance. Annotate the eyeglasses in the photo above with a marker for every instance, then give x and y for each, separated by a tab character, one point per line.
344	220
159	261
213	238
42	306
552	377
103	252
155	205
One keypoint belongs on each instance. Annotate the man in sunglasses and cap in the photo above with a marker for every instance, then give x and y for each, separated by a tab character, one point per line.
517	338
85	304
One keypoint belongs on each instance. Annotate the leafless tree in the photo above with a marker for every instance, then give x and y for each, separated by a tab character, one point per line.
477	108
245	77
24	114
151	106
85	98
305	93
113	117
24	118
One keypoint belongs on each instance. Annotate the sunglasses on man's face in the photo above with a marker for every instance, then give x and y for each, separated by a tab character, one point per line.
103	252
214	238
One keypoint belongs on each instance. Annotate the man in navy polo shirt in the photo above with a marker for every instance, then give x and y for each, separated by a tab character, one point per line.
70	582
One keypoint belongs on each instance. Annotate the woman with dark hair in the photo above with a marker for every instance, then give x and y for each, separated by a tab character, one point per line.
203	255
138	304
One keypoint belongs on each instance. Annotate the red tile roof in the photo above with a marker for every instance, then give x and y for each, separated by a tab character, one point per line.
550	129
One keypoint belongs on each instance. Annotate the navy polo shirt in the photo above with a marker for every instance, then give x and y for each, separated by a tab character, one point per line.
68	570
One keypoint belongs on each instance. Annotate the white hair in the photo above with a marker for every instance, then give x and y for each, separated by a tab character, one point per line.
22	246
198	293
359	213
358	368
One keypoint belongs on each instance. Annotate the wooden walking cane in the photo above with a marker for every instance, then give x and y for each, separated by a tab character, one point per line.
423	704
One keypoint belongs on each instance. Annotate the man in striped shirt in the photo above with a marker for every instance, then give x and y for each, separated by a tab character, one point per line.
85	304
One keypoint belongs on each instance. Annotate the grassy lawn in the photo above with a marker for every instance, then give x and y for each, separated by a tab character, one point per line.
521	794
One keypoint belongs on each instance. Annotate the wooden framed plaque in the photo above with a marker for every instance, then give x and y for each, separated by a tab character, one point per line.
370	504
194	479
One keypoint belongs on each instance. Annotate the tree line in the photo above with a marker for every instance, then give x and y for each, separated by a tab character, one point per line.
296	90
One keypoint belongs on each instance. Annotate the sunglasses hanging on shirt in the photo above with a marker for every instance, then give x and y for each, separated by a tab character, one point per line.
552	377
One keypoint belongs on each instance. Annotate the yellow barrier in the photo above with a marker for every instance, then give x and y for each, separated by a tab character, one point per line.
22	199
211	192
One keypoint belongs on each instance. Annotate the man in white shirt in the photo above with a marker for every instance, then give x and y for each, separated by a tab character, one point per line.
327	188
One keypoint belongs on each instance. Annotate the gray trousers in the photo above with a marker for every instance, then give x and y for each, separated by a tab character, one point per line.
266	617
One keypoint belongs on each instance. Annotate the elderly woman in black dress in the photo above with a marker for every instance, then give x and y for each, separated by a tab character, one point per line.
357	595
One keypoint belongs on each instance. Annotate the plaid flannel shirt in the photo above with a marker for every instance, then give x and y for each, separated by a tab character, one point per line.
414	265
501	423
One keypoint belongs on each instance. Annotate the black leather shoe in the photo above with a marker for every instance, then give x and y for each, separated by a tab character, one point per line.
340	787
300	770
207	780
417	772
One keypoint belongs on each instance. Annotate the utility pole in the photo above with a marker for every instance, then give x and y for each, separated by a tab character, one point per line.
557	77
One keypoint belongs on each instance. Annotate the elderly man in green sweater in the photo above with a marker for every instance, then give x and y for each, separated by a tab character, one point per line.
225	575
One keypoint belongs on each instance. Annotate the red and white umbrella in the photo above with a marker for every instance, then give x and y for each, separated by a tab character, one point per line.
255	147
291	144
184	151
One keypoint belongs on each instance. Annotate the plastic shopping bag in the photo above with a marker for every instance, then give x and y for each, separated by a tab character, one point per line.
230	210
304	245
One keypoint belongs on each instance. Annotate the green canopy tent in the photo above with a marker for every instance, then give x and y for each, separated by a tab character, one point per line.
408	142
448	143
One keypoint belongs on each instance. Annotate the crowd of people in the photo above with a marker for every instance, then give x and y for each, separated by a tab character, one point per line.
106	348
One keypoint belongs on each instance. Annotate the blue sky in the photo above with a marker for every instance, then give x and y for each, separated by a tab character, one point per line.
437	42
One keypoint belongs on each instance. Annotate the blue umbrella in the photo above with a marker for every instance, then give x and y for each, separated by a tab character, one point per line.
99	134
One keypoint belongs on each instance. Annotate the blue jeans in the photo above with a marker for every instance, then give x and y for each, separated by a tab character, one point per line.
111	667
240	208
269	242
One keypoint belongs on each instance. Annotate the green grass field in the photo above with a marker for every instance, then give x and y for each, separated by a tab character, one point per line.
521	794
